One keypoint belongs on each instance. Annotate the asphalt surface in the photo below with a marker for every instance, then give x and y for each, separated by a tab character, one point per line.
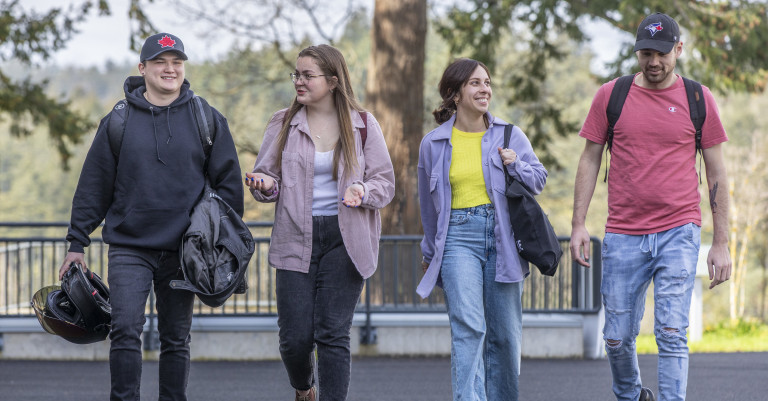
712	377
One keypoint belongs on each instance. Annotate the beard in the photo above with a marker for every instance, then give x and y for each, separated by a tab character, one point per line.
655	78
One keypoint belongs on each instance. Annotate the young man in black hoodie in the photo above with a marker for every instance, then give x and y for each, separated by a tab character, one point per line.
144	194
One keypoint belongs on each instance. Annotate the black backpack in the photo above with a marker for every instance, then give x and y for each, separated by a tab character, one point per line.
203	118
696	104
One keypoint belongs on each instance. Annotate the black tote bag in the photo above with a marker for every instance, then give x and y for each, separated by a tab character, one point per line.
535	238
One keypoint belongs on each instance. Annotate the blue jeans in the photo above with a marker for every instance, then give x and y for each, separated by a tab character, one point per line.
317	308
486	317
630	262
131	274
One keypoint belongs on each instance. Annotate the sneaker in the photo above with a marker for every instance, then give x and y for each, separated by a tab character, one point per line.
311	395
645	395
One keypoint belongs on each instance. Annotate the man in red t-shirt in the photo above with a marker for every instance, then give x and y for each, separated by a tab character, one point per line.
654	219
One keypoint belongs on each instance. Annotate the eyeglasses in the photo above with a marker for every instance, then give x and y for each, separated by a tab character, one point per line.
296	77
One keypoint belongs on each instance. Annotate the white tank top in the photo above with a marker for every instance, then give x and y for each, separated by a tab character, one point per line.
325	195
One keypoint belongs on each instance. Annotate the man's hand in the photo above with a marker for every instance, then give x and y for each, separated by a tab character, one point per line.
719	264
580	245
72	257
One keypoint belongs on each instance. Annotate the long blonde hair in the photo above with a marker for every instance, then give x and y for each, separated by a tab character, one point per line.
331	62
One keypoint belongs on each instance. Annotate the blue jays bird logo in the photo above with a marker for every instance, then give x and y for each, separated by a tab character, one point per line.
655	27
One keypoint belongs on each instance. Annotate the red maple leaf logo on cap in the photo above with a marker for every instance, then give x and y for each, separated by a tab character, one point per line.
166	41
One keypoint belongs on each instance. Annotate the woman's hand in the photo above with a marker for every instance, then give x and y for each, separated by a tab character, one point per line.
353	196
259	182
508	156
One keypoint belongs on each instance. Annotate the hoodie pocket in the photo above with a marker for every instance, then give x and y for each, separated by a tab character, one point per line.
156	225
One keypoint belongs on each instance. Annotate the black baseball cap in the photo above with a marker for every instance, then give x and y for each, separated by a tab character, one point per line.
160	43
657	32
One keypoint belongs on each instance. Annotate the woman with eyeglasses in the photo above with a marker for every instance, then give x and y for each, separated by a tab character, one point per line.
326	165
468	244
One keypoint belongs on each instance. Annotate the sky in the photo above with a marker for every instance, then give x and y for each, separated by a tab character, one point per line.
103	38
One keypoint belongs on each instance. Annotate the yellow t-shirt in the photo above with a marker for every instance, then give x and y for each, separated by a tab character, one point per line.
466	172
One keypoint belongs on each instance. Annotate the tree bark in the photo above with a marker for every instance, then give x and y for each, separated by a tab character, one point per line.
394	94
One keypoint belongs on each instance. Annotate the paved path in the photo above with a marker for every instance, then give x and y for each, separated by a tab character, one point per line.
713	377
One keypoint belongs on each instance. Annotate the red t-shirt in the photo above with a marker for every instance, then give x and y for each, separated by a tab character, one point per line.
652	180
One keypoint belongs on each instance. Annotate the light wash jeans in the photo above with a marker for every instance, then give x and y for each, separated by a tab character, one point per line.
486	317
630	262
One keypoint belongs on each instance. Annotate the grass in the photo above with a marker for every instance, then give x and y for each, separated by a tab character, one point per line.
742	336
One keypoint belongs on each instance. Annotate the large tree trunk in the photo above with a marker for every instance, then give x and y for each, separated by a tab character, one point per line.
394	93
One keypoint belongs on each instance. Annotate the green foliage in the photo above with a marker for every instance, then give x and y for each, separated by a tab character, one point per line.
741	336
29	37
723	58
741	327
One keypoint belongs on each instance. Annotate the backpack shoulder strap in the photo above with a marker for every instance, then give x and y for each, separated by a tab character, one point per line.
698	110
200	109
364	130
116	127
613	111
697	106
205	124
616	103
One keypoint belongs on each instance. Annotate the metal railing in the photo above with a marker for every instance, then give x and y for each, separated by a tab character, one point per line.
30	262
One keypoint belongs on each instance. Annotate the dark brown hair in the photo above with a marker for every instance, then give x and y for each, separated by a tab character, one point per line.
454	78
331	62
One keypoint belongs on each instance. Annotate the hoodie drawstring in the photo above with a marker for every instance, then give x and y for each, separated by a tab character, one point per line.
170	132
154	127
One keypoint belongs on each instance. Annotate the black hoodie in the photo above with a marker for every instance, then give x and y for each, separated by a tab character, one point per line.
146	199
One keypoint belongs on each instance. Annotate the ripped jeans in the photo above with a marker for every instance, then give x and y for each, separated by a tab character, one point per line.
630	262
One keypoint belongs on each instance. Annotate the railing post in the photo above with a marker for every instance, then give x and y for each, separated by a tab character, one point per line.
367	332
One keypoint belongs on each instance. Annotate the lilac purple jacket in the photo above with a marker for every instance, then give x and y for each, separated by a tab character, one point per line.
435	196
291	244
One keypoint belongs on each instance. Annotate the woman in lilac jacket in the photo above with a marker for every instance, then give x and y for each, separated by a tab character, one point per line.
468	244
329	181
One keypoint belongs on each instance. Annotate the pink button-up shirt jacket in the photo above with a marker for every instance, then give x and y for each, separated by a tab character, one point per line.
291	243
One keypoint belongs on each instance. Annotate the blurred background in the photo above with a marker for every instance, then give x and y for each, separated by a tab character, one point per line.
63	63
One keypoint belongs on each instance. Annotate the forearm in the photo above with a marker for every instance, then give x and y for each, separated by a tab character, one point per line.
719	203
586	179
719	198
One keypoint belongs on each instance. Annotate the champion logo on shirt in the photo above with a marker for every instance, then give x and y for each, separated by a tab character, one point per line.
672	109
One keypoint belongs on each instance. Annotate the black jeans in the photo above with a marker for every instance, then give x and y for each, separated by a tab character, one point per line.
131	274
317	309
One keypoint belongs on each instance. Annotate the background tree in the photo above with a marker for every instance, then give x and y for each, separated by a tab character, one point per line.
719	53
394	93
29	37
724	41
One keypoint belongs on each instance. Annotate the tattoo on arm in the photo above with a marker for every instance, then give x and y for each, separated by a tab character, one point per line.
713	198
